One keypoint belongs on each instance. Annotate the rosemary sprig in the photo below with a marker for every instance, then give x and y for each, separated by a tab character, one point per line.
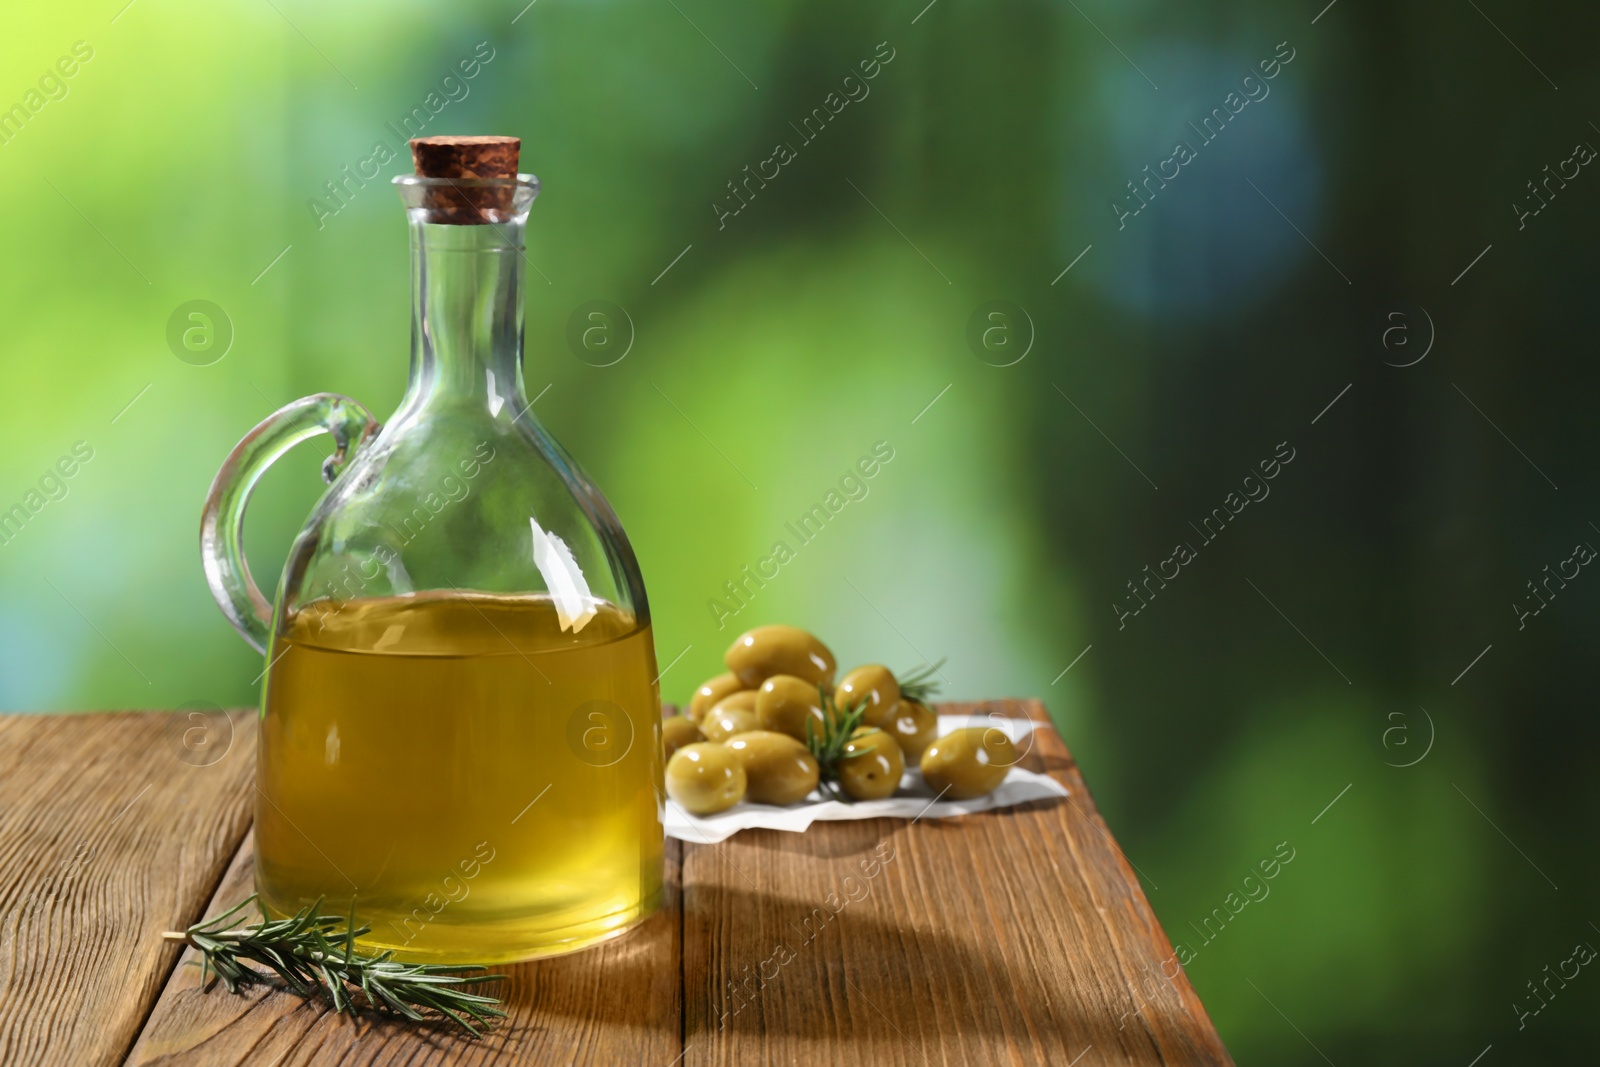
919	683
827	744
314	954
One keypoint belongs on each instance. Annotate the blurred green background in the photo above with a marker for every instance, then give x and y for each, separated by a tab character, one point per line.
1316	645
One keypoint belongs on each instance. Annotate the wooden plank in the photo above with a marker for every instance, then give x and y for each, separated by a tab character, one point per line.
619	1003
1010	937
1014	937
112	828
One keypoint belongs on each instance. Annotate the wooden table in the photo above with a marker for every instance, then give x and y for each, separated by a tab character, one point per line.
1010	937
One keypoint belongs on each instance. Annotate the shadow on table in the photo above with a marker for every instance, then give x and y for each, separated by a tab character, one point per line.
861	973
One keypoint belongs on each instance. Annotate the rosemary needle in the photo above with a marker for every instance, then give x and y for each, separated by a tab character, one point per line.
314	955
919	683
827	744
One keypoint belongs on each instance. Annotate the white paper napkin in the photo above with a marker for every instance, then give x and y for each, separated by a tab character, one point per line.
915	799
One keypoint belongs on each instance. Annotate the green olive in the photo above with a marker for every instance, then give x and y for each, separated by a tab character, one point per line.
779	769
740	699
767	650
710	692
968	762
735	714
871	766
784	703
677	731
873	688
913	726
705	778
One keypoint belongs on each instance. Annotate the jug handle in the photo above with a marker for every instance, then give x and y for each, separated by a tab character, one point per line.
222	520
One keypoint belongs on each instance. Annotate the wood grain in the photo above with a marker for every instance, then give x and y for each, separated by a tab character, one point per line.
1009	937
112	829
619	1003
1014	937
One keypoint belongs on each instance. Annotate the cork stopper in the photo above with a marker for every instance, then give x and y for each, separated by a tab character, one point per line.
462	162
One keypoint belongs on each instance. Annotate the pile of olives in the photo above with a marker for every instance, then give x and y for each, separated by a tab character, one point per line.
775	727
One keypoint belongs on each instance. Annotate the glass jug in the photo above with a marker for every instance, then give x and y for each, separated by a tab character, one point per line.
460	724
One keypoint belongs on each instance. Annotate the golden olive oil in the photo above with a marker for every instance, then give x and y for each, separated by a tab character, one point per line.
482	784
